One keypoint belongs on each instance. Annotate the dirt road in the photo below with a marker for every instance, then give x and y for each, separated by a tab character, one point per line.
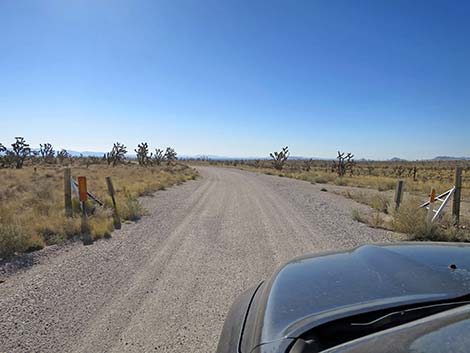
165	283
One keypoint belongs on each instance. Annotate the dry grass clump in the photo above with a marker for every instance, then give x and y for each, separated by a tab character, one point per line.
12	238
358	216
409	219
378	201
412	221
32	205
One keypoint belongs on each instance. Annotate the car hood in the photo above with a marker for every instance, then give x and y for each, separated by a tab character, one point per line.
312	290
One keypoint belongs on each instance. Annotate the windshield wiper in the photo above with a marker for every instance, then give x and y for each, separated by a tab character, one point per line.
346	329
409	314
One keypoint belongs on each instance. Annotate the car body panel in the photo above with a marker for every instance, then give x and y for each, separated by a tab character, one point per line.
315	289
443	332
312	290
234	323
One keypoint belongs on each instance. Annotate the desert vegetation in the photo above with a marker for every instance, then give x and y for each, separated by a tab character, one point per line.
32	192
279	158
419	176
373	183
408	219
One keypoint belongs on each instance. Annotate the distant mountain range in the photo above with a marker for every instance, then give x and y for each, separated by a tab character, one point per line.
221	158
438	158
86	153
396	159
448	158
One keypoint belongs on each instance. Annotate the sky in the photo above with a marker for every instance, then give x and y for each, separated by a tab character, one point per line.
237	78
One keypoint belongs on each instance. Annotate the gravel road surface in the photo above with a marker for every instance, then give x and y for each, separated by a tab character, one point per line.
165	283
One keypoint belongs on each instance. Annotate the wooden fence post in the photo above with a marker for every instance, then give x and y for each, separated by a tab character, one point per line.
116	218
457	195
398	194
67	192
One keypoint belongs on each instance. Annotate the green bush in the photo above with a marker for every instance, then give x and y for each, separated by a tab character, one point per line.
130	209
12	240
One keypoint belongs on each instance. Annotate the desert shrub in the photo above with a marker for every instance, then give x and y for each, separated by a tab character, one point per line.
374	220
6	214
13	239
358	216
33	199
35	243
50	230
101	227
386	185
130	209
380	203
412	221
321	180
377	220
71	227
340	182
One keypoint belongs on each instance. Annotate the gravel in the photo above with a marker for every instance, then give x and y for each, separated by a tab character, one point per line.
165	283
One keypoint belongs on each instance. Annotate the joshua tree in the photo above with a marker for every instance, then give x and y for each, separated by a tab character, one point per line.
308	164
63	155
21	151
279	158
117	154
399	171
344	164
170	155
413	171
47	152
142	151
158	156
3	156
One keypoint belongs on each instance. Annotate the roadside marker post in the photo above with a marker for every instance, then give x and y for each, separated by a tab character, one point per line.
443	199
116	218
432	199
83	197
82	189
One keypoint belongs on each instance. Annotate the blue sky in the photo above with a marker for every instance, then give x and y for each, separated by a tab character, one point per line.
239	78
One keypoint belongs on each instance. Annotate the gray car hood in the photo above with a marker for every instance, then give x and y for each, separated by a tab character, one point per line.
312	290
